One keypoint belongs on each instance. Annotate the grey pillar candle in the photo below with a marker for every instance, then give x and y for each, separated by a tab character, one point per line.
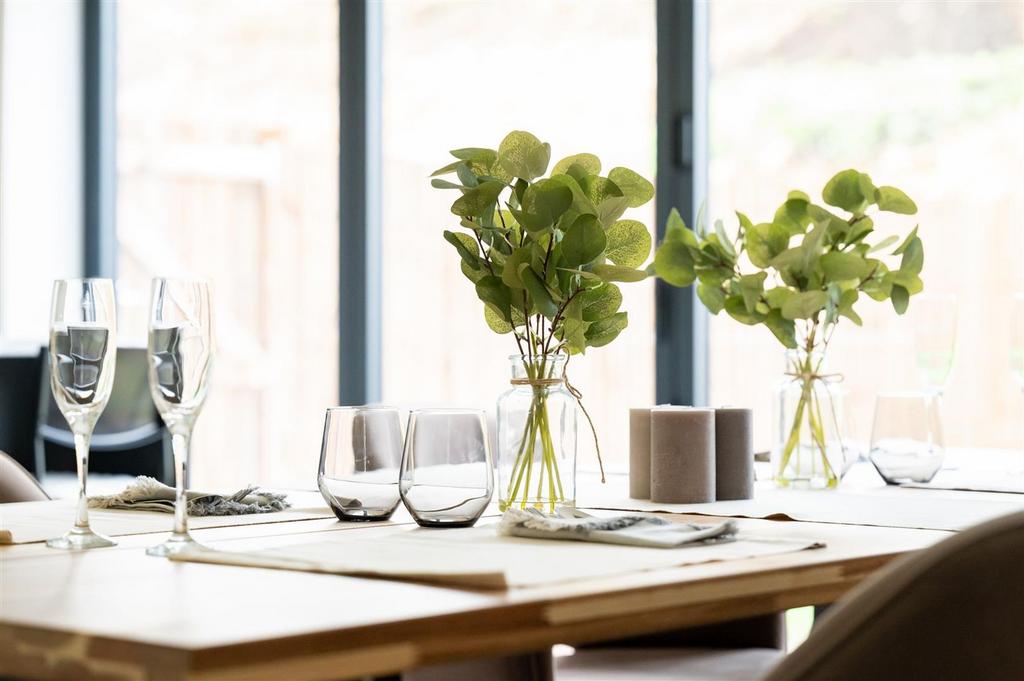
682	455
734	454
640	453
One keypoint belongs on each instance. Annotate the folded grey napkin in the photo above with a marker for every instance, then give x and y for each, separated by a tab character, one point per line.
149	494
632	530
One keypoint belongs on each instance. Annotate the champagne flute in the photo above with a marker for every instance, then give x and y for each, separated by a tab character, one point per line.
180	354
83	351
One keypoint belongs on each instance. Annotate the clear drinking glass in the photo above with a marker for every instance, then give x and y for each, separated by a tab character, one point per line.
933	318
906	438
83	350
359	461
447	472
180	355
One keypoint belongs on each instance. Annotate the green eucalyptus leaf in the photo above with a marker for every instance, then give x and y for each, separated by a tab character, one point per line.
543	204
906	242
676	229
601	302
797	195
858	230
674	264
510	274
629	243
588	162
778	296
471	274
483	157
616	273
606	330
450	168
884	243
444	184
611	209
467	176
839	266
723	239
635	188
477	200
893	200
598	188
812	246
793	216
583	242
713	297
764	242
466	246
783	329
804	305
539	293
572	330
845	190
913	257
523	155
737	309
495	321
877	289
900	299
713	276
495	294
751	286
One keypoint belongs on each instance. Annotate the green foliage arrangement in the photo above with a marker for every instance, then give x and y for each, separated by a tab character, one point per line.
800	273
546	253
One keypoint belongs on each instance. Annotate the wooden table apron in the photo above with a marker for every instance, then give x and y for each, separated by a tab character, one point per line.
89	616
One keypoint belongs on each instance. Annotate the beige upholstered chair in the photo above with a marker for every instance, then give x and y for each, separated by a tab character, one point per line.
955	611
16	483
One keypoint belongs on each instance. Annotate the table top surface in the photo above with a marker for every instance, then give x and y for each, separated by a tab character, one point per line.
119	612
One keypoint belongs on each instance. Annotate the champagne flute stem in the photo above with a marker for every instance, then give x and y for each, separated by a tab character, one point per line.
82	459
180	445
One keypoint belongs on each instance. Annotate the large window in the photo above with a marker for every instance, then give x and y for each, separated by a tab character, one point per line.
927	96
580	75
227	168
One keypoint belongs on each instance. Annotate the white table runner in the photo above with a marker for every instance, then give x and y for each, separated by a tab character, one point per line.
853	503
36	521
478	557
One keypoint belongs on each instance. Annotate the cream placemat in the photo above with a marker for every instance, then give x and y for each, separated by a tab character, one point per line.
881	506
36	521
973	481
478	557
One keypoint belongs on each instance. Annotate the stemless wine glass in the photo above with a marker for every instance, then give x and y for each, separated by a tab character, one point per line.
83	351
906	437
447	471
359	460
180	354
934	321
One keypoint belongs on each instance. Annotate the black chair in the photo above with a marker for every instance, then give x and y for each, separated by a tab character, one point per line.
19	404
130	438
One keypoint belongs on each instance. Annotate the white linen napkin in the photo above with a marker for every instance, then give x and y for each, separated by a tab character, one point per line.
149	494
631	530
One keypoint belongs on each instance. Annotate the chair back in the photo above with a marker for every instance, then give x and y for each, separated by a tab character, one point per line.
953	611
130	424
16	483
19	402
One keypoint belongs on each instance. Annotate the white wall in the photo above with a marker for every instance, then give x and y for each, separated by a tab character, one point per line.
40	159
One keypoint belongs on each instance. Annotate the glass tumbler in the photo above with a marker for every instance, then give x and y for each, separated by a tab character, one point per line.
447	472
359	460
906	437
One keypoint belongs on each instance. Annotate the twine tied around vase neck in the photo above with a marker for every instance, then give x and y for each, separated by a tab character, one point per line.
576	394
808	376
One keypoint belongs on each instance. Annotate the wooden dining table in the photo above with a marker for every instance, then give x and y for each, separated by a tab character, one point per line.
116	613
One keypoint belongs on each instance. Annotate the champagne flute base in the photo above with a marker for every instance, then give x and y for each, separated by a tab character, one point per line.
79	539
176	544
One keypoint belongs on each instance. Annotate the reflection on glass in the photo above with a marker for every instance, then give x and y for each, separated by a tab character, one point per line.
359	460
180	356
83	349
447	471
906	437
934	319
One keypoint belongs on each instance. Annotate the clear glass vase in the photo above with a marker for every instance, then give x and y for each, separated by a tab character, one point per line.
537	420
808	452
